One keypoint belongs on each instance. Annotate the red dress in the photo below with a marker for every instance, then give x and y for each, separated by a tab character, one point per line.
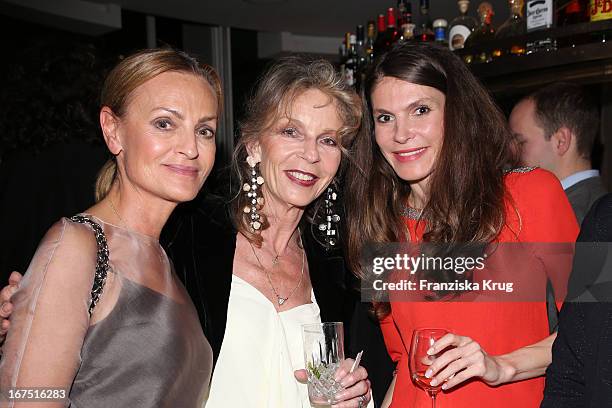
538	211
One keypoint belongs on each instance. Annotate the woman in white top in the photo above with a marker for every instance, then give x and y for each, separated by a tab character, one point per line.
300	119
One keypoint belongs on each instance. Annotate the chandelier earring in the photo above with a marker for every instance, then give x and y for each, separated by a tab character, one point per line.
254	199
329	226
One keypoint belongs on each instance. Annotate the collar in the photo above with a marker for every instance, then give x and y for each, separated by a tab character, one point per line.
578	177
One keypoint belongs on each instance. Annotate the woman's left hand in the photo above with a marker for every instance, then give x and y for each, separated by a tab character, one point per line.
465	360
356	393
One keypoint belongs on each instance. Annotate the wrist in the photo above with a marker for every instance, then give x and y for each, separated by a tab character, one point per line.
506	370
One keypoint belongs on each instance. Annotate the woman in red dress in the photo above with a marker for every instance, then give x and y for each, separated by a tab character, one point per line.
436	153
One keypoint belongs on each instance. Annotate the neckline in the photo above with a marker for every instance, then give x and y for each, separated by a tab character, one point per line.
123	229
411	213
268	302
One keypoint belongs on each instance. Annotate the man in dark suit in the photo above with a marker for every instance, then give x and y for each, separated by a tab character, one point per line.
580	374
556	128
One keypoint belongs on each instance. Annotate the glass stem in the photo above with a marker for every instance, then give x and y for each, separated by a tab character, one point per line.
433	399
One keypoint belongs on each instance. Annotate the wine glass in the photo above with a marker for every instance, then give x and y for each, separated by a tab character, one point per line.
323	353
422	340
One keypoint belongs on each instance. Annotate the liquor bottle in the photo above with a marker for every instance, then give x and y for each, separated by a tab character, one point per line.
401	9
350	62
369	46
360	47
440	25
425	33
391	34
482	34
540	17
461	27
381	28
362	58
575	12
406	24
514	26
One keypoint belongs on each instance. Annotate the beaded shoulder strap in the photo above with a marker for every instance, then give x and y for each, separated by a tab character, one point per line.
101	262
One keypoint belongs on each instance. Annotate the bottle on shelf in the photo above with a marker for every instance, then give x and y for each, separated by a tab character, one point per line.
381	29
440	25
362	57
425	32
391	34
407	32
574	12
405	23
350	62
369	45
461	27
513	27
484	33
401	9
360	46
539	17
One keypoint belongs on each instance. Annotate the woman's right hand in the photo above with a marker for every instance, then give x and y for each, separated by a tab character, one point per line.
6	307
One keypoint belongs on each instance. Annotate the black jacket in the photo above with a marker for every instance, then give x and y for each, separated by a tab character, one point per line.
581	371
201	241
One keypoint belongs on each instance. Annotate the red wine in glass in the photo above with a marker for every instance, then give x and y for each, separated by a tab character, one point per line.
422	340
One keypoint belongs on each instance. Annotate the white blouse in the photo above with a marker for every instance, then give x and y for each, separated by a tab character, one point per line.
261	349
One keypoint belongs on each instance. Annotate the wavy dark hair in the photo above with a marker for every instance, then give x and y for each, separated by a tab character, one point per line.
466	199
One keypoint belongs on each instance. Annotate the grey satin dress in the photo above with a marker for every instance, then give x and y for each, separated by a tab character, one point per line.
142	347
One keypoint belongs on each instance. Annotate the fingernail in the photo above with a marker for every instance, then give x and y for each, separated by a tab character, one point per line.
4	308
428	373
433	382
431	351
444	386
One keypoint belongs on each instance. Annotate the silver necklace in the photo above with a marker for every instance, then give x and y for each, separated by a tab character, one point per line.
281	300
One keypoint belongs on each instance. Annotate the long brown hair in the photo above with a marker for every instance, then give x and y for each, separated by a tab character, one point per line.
134	71
466	199
283	81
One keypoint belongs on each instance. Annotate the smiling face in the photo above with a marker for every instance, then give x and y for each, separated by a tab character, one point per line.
165	141
409	127
300	155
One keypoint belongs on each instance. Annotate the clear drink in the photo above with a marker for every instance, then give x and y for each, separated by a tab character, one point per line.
323	353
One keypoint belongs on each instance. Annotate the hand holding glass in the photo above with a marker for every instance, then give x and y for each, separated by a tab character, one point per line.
422	340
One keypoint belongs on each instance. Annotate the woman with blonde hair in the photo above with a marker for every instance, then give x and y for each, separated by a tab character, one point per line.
100	318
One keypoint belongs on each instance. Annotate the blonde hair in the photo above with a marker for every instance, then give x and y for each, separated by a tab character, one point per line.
285	80
134	71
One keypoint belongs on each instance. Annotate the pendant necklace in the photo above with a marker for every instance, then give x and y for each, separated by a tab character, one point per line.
281	300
